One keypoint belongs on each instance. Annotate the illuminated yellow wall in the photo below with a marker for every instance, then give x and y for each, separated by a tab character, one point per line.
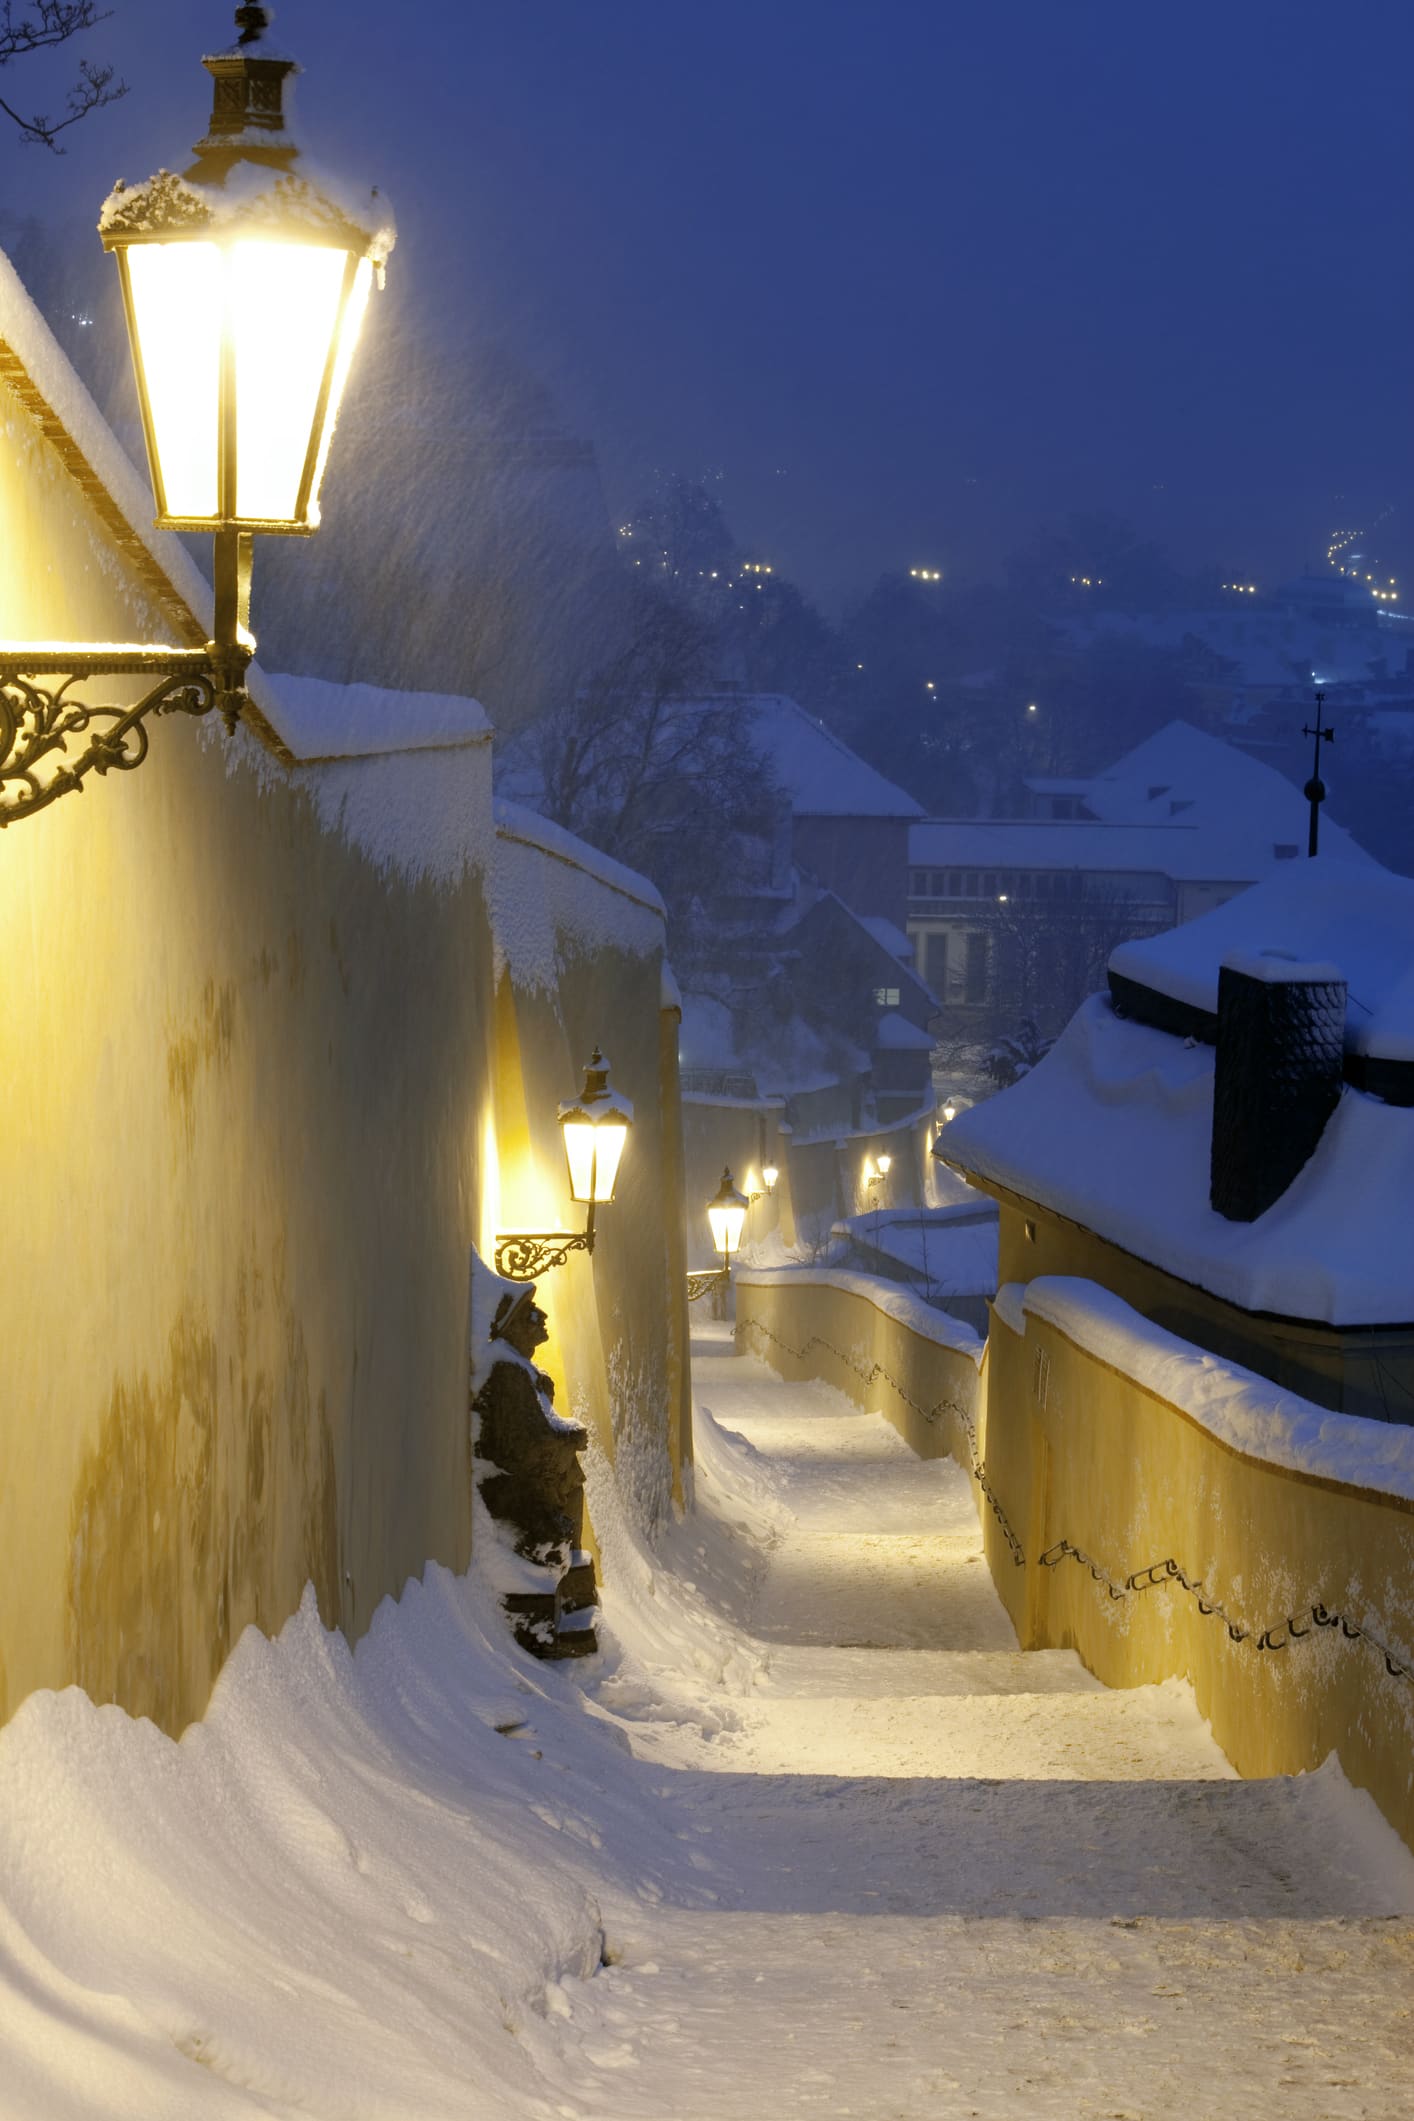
263	1093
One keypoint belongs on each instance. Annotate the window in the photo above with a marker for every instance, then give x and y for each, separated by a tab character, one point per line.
939	883
975	974
954	883
933	959
918	883
886	997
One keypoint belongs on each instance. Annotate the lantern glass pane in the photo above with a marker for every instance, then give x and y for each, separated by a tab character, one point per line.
726	1224
349	330
178	295
609	1139
593	1153
285	300
579	1153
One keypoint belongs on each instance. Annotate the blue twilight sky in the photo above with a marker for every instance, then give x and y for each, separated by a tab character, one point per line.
914	277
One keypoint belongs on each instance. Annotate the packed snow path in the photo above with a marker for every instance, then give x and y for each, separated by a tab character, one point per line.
973	1881
810	1837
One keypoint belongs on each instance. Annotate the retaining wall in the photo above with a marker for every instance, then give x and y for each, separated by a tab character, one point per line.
1160	1513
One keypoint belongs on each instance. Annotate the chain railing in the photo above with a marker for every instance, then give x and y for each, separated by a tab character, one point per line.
1279	1636
1315	1618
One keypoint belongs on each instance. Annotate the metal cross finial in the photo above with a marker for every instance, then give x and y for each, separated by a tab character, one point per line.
1315	789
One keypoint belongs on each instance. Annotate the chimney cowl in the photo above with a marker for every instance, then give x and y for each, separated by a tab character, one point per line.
1277	1078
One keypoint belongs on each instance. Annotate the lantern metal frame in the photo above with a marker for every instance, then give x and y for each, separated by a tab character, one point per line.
524	1255
38	719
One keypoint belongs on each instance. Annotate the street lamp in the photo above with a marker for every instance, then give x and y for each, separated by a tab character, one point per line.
244	284
726	1212
594	1127
769	1175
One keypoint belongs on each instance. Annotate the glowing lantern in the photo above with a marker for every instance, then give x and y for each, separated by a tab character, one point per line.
245	283
769	1175
726	1212
595	1127
885	1164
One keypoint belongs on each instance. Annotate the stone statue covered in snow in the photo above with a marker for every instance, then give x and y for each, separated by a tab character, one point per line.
529	1478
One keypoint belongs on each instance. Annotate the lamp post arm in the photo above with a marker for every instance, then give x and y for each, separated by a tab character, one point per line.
39	721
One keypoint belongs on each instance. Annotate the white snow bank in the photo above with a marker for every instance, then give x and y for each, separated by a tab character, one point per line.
1248	1412
1113	1130
322	720
342	1892
894	1302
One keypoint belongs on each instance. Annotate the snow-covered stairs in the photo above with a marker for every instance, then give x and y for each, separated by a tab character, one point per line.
950	1878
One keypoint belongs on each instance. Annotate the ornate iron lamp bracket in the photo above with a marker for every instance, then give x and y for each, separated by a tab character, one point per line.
709	1278
527	1254
39	721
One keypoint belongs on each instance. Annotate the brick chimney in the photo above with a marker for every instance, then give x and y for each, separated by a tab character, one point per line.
1280	1055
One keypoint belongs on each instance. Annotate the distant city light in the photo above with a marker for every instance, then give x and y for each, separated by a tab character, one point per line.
926	574
1030	706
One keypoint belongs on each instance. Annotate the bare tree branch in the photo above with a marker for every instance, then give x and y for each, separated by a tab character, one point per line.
43	26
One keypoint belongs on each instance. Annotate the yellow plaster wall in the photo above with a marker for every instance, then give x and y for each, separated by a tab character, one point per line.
1079	1452
263	1092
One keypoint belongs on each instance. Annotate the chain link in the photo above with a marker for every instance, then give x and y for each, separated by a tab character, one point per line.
1280	1636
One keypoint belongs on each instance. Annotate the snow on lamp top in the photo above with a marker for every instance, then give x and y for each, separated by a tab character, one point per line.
245	281
595	1127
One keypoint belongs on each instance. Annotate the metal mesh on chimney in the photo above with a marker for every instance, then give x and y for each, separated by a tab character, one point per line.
1281	1039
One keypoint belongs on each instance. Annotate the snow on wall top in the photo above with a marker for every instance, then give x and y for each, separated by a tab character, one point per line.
819	773
321	720
894	1301
1360	917
548	890
1248	1412
1113	1130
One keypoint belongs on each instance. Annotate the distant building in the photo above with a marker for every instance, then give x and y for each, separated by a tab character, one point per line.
1017	917
849	826
1226	1141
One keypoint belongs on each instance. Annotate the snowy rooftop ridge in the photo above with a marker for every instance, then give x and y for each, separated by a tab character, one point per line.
817	769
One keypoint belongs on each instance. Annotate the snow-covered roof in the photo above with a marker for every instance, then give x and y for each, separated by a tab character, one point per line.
1181	773
1181	804
1113	1130
895	1034
323	720
1359	917
890	937
819	773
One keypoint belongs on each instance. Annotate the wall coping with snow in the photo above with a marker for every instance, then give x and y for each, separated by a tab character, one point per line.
890	1300
529	829
1238	1408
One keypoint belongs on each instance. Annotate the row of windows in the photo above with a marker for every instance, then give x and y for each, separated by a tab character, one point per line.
996	883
